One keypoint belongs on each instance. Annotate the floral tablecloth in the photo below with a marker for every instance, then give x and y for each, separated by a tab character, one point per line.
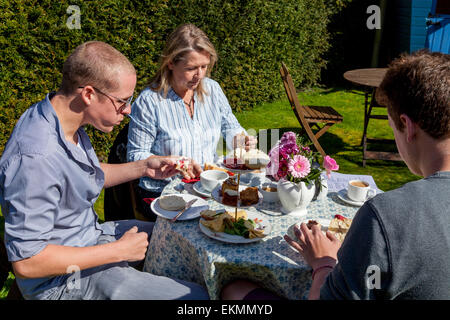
180	250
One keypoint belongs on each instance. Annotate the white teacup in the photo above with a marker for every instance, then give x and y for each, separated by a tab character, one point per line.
212	178
359	190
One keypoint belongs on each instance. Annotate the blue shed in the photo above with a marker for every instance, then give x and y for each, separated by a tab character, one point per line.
410	24
419	24
438	30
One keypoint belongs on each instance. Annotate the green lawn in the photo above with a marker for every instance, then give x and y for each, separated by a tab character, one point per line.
341	142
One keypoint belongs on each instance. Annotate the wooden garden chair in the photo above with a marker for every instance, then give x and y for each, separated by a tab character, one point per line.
309	116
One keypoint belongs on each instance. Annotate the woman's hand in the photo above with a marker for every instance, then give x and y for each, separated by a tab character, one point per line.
249	142
316	248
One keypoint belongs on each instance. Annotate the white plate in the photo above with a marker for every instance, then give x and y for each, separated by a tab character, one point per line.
199	189
230	238
342	194
215	194
191	213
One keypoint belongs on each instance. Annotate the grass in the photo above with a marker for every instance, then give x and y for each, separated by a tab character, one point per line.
341	141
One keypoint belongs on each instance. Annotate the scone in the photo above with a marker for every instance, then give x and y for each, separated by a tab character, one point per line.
182	164
256	159
172	202
339	226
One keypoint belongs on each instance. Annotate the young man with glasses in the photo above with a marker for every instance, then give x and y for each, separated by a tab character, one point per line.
50	179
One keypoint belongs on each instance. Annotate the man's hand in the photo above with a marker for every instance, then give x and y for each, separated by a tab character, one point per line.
159	167
133	245
316	248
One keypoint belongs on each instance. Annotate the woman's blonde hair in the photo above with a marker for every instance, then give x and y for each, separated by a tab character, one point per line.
184	39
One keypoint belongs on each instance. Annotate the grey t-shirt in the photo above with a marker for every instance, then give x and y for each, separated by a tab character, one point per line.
398	246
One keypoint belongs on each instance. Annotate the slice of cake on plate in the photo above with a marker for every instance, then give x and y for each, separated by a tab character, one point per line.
249	196
339	226
229	192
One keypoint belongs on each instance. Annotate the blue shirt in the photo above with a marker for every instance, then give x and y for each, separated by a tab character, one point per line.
48	187
162	126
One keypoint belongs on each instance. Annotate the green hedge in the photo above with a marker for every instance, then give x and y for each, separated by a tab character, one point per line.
251	37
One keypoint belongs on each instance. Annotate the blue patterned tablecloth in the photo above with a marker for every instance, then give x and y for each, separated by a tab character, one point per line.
180	250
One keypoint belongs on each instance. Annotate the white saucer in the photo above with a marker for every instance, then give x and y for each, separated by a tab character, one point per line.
342	194
200	190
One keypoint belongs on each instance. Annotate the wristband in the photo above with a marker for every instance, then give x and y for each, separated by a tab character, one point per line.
319	268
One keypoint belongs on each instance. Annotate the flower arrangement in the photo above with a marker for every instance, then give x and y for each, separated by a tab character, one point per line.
292	159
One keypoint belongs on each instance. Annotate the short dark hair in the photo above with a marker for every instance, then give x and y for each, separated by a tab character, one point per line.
418	85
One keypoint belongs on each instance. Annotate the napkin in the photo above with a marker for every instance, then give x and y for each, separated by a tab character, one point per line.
190	180
148	200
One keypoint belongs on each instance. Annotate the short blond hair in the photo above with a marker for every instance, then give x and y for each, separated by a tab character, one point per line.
184	39
94	63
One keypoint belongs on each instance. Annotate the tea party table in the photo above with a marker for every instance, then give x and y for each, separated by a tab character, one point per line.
181	250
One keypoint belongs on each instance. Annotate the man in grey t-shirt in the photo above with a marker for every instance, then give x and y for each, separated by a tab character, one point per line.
398	246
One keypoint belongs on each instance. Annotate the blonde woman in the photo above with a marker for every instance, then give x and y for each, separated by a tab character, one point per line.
182	112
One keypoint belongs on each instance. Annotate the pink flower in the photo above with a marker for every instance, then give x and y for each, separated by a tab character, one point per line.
299	166
330	164
288	138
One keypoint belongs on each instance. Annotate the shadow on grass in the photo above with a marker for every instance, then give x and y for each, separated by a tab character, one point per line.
358	90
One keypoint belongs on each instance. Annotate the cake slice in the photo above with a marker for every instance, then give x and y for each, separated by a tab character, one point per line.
256	159
339	226
229	192
249	196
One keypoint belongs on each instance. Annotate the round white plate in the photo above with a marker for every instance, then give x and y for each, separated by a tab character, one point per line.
230	238
342	194
191	213
199	189
215	194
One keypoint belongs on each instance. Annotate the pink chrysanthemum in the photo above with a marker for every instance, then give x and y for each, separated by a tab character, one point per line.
299	166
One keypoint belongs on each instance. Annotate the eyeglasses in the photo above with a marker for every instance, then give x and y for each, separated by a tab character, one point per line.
124	104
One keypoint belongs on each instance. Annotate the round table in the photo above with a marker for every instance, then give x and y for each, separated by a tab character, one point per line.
180	250
371	78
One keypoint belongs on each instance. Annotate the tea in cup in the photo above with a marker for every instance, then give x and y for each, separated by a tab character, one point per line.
359	190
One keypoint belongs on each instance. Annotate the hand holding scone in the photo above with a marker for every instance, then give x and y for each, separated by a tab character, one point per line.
162	167
188	168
